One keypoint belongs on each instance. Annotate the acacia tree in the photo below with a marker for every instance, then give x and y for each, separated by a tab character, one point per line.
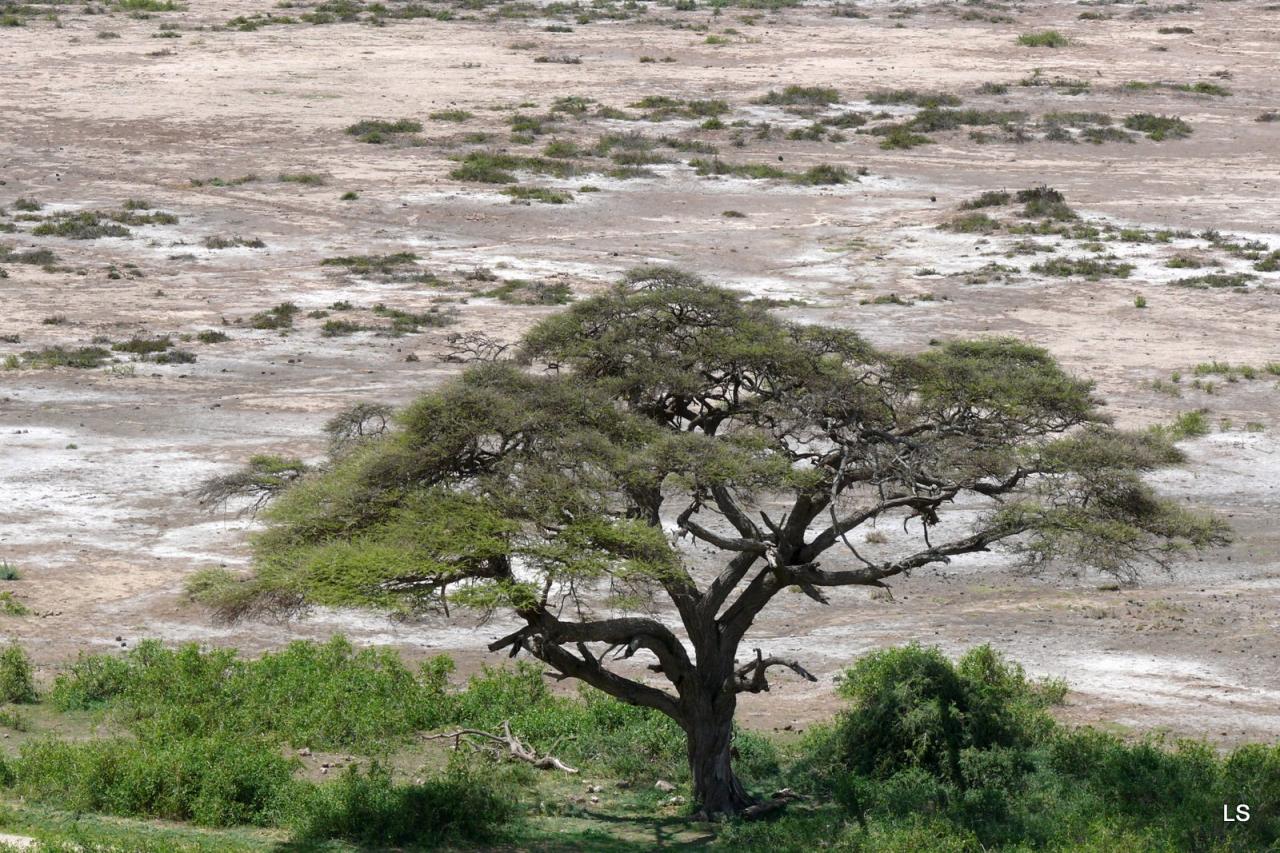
578	497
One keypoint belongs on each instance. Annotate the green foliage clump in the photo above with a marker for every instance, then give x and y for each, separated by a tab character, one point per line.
1044	202
306	179
35	257
520	292
941	756
924	100
143	346
279	317
794	95
218	779
824	175
544	195
376	131
85	225
327	696
990	198
912	708
1215	280
372	264
756	171
1044	38
900	136
370	809
486	168
451	115
1158	127
16	681
1090	268
84	358
972	223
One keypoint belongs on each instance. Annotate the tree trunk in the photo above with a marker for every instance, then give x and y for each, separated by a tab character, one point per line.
716	788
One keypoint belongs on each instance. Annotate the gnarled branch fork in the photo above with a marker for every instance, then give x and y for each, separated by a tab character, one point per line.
751	676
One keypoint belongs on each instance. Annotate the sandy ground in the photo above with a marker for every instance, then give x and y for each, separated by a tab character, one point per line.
97	467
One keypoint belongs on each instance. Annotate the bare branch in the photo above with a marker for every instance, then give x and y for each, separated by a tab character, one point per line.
462	347
725	543
729	507
751	677
590	671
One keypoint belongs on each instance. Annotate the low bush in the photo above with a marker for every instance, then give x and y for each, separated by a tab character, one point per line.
991	198
369	808
16	682
1158	127
811	96
376	132
1045	38
84	358
972	223
216	780
941	756
1090	268
900	136
543	195
279	317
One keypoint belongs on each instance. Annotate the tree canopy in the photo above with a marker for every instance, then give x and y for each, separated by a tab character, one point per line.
571	483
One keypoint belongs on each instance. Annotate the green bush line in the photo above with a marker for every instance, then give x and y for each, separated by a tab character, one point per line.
928	755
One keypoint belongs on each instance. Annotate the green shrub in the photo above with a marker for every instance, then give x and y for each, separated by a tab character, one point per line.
306	179
370	809
990	198
85	225
1090	268
376	132
1158	127
1044	202
900	136
339	328
756	171
328	696
450	115
486	168
91	681
217	780
1215	280
16	682
84	358
911	708
925	100
143	346
1189	425
538	194
824	175
972	223
1045	38
212	336
279	317
815	96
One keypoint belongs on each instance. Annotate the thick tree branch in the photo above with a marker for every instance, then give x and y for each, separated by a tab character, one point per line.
724	543
588	669
751	677
833	532
773	578
729	507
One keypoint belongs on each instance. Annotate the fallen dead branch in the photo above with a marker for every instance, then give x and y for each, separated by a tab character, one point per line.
514	747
